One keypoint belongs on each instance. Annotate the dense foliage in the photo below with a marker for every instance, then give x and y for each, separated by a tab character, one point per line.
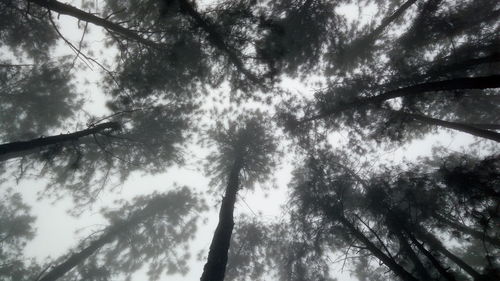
96	95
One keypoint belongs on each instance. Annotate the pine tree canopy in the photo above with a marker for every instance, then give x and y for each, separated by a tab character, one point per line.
289	140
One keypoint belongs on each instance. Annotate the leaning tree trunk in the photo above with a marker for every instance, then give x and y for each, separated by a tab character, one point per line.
81	15
388	261
154	207
215	268
482	82
77	258
396	226
467	230
485	82
22	148
438	246
435	262
461	127
406	247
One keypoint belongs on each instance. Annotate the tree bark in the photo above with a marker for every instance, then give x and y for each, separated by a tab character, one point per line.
485	82
216	39
467	230
465	128
69	10
154	207
388	261
435	262
215	268
21	148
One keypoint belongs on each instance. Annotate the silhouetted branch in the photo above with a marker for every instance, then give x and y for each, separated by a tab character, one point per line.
462	127
467	230
69	10
21	148
435	262
388	261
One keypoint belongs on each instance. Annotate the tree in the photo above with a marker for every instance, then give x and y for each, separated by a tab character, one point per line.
416	85
278	250
391	206
66	9
25	89
154	223
82	162
244	157
15	231
295	32
350	54
338	85
26	34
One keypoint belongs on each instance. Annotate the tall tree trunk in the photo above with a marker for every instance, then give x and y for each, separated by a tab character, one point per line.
451	125
467	230
419	267
81	15
154	207
216	39
485	82
388	261
438	246
215	268
435	262
21	148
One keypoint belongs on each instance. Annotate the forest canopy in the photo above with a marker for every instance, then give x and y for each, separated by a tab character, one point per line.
285	140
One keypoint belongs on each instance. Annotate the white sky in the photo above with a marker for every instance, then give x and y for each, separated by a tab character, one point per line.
56	229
